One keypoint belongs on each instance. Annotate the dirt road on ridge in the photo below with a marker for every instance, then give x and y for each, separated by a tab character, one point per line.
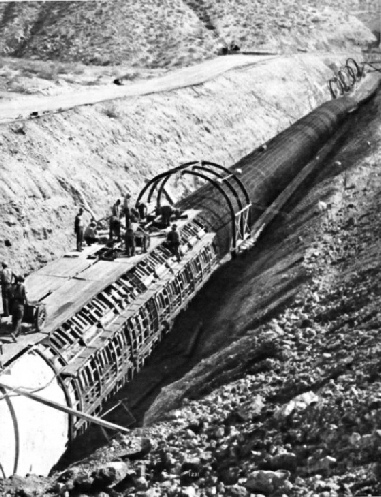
188	76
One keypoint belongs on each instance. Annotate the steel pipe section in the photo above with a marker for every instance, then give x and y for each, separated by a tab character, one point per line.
32	436
269	169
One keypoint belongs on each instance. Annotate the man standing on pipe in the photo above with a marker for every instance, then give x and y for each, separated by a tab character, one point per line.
6	280
173	242
19	301
127	210
78	229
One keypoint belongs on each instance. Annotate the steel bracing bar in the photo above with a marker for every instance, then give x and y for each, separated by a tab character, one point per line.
66	409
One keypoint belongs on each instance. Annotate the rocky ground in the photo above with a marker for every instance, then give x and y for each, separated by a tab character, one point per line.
291	407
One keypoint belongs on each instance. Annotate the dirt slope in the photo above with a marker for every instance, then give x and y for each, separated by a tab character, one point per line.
176	32
94	154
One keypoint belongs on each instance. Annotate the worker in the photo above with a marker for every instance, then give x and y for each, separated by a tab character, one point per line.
91	233
134	224
142	209
141	237
6	280
173	241
115	220
78	229
19	302
127	209
130	242
166	212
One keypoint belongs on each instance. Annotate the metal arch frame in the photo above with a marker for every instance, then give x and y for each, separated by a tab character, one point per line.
201	165
239	220
153	182
207	170
359	69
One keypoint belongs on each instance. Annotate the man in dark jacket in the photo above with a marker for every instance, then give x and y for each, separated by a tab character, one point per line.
19	300
78	229
166	213
115	219
127	210
6	280
130	242
142	209
91	233
173	242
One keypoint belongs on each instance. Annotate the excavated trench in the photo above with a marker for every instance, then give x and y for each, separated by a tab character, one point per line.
206	327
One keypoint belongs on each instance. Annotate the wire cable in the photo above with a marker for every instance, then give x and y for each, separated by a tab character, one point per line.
27	389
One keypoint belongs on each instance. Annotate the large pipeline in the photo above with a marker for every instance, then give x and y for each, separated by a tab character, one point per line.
271	167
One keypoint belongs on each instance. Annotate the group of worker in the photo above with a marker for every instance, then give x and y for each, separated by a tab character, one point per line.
133	228
14	298
12	286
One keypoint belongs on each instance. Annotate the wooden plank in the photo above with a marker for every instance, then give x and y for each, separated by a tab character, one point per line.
39	285
106	271
71	263
67	300
66	267
75	293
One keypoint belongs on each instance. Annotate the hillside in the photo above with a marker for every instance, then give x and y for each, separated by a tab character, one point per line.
94	154
176	32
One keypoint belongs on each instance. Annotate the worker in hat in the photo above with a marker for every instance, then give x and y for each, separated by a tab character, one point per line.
114	227
127	209
19	300
130	241
78	229
166	213
6	280
91	233
173	241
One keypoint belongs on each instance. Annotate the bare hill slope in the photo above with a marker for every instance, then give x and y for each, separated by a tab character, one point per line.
173	32
95	154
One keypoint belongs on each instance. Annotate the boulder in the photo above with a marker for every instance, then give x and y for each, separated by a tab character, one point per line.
110	473
236	491
188	492
251	409
30	486
300	402
266	482
286	460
